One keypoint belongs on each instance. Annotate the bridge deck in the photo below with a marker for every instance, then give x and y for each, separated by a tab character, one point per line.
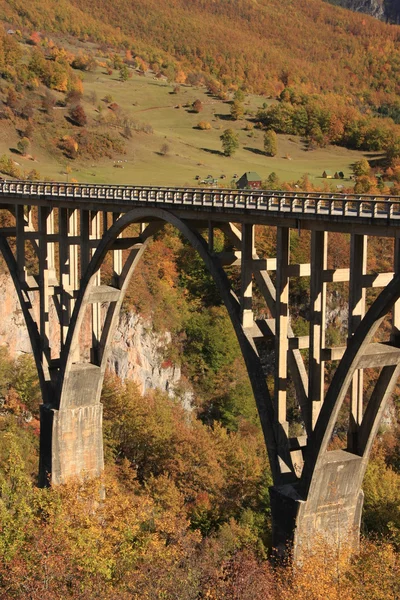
267	207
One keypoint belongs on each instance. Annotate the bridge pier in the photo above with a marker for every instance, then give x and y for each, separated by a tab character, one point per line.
71	443
72	436
330	513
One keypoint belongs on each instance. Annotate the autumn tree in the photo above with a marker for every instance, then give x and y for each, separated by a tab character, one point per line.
23	146
48	101
203	125
270	143
237	110
361	167
164	150
239	95
124	73
12	98
197	106
77	115
230	142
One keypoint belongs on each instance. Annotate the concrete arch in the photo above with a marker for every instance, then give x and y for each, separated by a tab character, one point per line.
343	376
327	502
250	355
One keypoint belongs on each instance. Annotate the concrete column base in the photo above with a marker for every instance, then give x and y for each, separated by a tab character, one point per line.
330	514
71	443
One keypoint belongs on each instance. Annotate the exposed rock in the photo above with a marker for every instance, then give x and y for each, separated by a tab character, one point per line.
13	332
137	352
385	10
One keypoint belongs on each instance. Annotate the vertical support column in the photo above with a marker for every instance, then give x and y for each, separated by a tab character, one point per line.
51	264
96	307
117	258
210	236
395	337
44	271
63	255
85	250
20	251
69	272
105	223
319	245
73	255
246	304
358	268
282	323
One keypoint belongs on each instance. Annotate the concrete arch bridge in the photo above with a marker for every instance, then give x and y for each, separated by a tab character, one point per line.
71	228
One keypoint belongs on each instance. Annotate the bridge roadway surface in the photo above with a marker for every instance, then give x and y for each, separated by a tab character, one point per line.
368	214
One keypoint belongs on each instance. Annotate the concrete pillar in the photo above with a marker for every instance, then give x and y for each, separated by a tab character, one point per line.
282	324
71	442
396	308
358	268
210	236
117	258
46	268
20	242
330	514
319	245
246	300
85	253
96	306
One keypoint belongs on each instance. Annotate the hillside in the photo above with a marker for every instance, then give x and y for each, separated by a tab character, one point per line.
319	48
83	90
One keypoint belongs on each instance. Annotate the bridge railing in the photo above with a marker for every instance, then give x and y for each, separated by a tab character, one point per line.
270	201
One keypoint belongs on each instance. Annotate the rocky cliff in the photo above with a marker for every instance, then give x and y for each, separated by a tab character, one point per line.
137	352
386	10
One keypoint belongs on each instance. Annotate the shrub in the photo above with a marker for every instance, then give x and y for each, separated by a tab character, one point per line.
197	106
8	167
99	145
23	146
164	150
78	115
204	125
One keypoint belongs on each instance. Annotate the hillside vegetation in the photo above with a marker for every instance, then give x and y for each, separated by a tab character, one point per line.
324	76
266	44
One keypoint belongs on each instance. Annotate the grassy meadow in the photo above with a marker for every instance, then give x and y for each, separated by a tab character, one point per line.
188	151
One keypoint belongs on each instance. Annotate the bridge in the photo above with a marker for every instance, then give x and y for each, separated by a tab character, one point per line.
56	238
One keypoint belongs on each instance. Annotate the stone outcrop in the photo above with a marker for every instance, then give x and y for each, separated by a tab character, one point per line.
137	352
385	10
13	332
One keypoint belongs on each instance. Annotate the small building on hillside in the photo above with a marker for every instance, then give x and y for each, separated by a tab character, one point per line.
250	179
327	175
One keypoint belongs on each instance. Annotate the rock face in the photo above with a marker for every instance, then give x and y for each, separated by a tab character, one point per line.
136	354
386	10
13	332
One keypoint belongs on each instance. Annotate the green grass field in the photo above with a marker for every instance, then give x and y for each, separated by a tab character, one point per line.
190	152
